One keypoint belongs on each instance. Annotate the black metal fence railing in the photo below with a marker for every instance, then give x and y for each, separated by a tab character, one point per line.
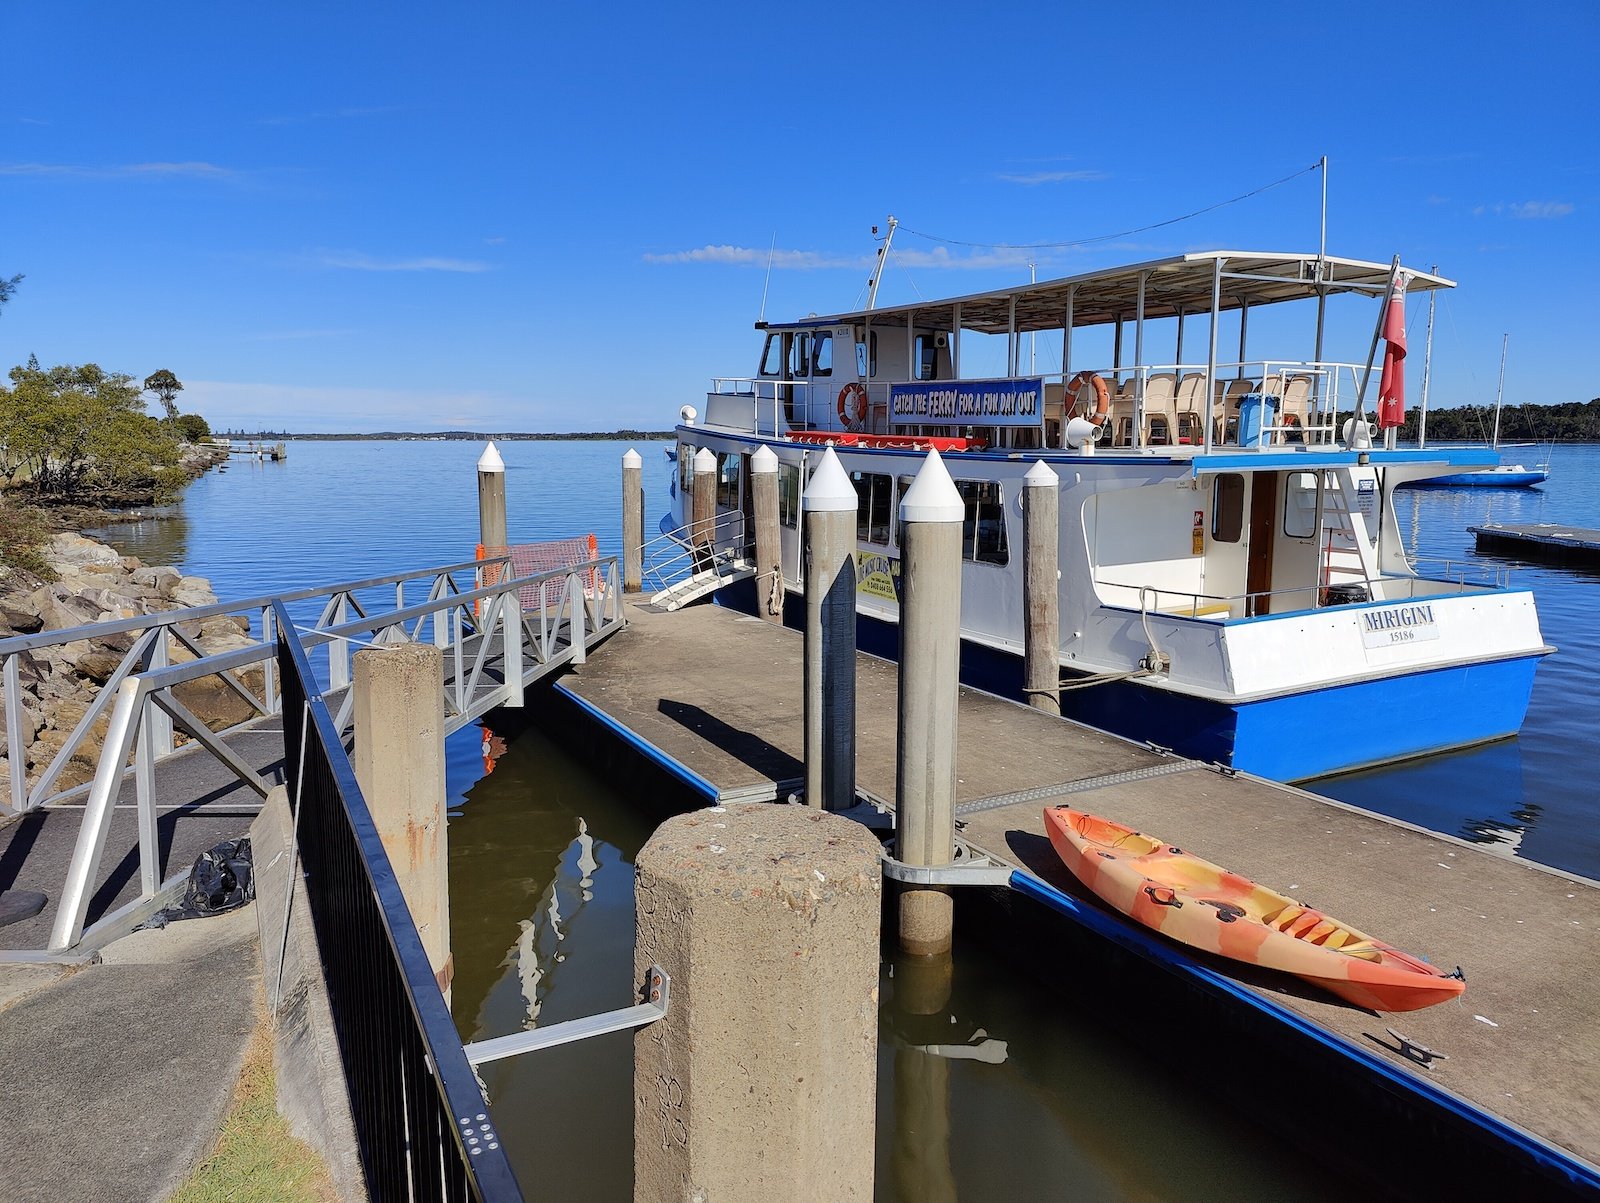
421	1119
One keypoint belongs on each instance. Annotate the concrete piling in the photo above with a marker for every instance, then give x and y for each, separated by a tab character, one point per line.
829	506
769	557
703	511
399	763
760	1081
931	512
491	498
1041	603
632	522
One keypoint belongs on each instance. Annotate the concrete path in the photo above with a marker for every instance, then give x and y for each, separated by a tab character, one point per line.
118	1074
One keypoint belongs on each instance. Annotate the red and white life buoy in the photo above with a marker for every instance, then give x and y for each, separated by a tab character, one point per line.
1102	396
853	405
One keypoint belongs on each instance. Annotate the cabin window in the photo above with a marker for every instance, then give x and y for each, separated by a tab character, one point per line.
1227	511
983	529
800	356
822	355
927	357
1300	505
685	469
789	495
772	356
867	356
728	481
874	506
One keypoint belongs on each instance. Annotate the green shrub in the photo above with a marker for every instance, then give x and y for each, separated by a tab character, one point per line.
23	534
193	427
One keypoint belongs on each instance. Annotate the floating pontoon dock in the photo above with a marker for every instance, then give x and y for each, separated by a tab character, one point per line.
1547	541
714	698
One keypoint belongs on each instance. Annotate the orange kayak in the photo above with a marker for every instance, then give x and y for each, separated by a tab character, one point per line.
1207	907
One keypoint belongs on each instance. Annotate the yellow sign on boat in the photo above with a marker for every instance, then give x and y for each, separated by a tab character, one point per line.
878	575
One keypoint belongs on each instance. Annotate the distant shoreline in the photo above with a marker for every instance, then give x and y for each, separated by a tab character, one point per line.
445	436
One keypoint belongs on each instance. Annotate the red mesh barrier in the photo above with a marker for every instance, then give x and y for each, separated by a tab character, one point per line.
530	559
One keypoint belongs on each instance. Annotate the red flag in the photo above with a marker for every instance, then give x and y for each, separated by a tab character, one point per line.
1392	384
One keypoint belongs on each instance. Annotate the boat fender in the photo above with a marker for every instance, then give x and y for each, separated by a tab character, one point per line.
853	404
1102	395
1162	896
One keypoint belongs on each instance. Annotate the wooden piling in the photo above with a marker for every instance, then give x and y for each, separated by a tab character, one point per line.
829	505
930	650
491	498
769	556
703	512
632	522
1041	604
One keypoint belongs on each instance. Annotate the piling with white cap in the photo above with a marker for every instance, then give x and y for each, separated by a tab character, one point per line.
703	511
830	642
632	521
491	498
1041	603
764	503
931	513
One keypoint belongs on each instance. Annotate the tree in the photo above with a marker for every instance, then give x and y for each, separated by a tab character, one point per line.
192	428
7	287
165	386
71	432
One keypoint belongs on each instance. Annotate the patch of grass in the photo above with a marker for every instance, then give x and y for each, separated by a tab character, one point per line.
257	1159
24	531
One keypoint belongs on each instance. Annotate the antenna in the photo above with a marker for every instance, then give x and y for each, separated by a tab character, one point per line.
772	250
883	257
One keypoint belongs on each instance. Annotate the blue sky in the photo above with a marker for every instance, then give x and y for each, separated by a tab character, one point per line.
558	217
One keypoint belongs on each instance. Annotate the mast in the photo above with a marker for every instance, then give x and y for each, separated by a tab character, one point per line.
1499	390
883	258
1427	365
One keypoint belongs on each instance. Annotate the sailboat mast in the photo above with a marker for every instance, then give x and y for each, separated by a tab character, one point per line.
1500	389
1427	365
883	261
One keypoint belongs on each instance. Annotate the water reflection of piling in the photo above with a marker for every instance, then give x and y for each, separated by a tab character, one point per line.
919	1006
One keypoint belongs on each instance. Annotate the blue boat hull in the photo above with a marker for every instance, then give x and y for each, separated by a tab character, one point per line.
1292	737
1482	480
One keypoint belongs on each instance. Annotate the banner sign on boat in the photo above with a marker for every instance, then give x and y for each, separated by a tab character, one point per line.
1397	624
878	575
1011	402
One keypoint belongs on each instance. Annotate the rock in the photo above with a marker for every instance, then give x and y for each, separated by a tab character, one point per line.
193	591
98	666
60	613
213	703
161	579
70	548
132	563
22	621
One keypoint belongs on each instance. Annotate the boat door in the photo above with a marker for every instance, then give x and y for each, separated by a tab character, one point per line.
1263	532
747	506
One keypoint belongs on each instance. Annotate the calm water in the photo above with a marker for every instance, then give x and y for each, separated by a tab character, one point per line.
542	848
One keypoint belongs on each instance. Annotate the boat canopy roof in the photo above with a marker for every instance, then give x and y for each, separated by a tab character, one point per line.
1179	285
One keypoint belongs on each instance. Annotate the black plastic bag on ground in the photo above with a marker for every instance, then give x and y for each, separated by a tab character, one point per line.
221	880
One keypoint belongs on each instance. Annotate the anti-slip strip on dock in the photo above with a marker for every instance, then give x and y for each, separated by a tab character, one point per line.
1041	792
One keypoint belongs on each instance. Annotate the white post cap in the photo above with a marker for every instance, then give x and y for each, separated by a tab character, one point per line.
705	461
933	496
830	489
490	460
1041	476
763	460
632	459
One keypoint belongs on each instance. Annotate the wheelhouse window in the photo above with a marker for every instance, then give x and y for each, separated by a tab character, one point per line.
1300	503
983	529
800	356
728	482
789	496
685	469
1227	510
866	355
874	506
772	356
822	355
927	356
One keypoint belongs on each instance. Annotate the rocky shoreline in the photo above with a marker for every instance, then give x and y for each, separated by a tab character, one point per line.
95	584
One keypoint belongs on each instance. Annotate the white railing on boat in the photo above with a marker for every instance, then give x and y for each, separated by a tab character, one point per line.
1179	603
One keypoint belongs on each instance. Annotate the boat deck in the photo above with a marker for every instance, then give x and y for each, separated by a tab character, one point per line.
715	697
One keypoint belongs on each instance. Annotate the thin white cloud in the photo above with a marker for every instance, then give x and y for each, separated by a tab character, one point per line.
1032	178
939	258
121	171
344	114
1527	210
362	262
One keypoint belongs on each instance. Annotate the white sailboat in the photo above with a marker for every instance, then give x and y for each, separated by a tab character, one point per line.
1500	476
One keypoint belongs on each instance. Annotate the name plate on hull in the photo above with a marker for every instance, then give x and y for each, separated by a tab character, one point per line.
957	403
1398	624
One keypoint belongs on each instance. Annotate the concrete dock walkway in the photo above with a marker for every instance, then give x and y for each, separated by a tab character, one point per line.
715	697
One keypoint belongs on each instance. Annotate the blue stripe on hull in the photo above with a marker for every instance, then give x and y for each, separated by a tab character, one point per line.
1293	737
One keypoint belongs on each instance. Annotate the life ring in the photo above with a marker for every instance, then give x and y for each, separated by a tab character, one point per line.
1102	396
853	405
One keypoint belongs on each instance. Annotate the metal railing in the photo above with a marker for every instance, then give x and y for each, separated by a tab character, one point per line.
1179	603
492	632
711	545
422	1123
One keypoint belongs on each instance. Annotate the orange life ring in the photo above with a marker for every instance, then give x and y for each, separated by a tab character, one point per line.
1102	395
853	404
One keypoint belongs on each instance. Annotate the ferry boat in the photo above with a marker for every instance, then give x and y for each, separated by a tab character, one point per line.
1234	585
